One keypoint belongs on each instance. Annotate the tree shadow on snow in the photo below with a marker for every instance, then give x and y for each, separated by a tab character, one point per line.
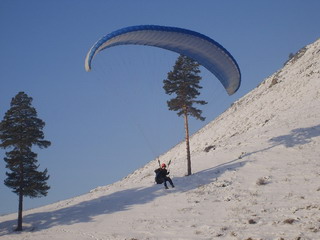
115	202
299	136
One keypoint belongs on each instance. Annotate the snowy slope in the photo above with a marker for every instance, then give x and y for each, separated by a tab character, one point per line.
256	176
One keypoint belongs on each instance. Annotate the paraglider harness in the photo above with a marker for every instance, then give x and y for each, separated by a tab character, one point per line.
158	178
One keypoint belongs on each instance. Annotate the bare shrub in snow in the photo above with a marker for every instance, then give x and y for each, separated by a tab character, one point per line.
274	81
208	148
289	221
251	221
262	181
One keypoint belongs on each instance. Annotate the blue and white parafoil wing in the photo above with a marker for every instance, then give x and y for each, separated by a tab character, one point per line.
199	47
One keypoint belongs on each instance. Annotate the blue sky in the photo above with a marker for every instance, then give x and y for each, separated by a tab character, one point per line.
106	123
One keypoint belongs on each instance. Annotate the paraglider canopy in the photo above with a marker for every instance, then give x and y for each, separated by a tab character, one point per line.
197	46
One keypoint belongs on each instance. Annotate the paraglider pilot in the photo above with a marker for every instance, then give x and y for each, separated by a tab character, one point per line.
161	176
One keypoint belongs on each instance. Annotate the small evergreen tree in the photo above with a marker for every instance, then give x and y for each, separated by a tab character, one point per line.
183	81
20	130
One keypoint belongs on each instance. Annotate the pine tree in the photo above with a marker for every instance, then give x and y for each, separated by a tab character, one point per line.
183	81
19	131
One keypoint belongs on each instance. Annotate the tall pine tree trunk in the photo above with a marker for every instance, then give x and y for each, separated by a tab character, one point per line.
20	209
19	227
186	127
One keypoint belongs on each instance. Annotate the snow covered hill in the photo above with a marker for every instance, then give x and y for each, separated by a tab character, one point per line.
256	176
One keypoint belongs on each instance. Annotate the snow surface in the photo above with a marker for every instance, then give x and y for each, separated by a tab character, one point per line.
256	176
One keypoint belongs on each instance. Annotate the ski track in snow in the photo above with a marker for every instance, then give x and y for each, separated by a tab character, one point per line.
260	178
